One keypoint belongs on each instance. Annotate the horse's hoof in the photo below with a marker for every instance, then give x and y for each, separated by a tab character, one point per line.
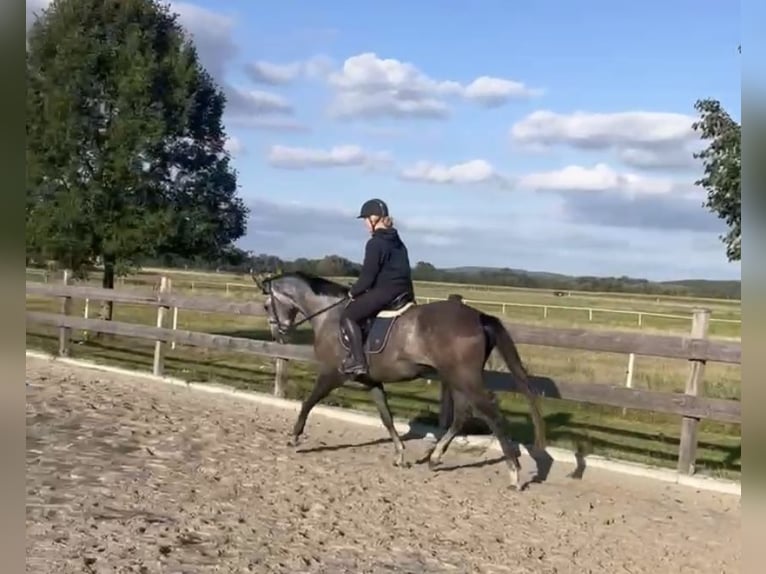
293	441
424	459
433	464
399	462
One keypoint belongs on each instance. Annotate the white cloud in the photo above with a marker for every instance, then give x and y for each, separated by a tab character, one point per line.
641	139
268	73
272	73
496	91
258	102
370	86
350	104
338	156
599	131
607	198
599	178
475	171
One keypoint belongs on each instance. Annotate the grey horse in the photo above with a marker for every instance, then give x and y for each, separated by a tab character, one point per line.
404	342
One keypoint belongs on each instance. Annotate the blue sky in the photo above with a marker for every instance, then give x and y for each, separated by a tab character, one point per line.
542	135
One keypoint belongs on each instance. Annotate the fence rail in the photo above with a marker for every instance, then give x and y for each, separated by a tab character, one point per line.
589	310
696	348
544	308
666	346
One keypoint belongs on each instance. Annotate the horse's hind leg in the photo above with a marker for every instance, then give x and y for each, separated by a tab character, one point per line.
487	408
461	410
379	396
325	382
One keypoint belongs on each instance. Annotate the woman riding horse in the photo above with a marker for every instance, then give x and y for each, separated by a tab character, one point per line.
385	275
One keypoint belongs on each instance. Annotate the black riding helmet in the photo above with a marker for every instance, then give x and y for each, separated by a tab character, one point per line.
373	207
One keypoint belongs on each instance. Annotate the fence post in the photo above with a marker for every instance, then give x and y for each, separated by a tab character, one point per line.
280	374
629	371
65	333
175	325
158	367
629	376
85	313
687	450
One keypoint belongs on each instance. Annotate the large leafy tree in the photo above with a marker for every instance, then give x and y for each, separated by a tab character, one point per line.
125	144
722	160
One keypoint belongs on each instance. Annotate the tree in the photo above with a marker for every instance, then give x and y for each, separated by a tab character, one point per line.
723	165
125	145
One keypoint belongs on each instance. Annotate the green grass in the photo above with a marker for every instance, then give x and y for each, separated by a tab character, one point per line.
636	435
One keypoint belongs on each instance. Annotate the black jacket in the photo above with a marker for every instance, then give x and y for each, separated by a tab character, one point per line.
386	264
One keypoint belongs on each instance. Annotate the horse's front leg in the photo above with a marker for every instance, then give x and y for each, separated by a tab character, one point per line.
325	383
379	396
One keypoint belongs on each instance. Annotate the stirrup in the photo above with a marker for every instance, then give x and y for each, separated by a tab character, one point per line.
351	366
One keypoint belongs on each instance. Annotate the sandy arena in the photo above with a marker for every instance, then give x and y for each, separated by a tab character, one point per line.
128	475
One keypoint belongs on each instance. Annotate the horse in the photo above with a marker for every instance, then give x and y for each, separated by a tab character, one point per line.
404	342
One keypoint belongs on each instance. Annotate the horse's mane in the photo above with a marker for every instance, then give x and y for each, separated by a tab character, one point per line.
320	285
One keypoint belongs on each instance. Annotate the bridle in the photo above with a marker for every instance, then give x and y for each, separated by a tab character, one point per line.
273	315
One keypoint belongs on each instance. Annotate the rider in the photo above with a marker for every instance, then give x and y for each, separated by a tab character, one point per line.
385	275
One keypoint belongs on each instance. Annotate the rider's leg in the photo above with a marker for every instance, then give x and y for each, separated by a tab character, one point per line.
355	363
366	305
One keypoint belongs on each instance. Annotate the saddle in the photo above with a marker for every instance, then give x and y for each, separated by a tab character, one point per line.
375	330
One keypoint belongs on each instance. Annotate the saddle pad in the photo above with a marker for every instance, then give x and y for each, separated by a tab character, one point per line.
378	335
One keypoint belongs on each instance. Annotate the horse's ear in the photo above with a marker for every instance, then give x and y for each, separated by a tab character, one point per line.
259	279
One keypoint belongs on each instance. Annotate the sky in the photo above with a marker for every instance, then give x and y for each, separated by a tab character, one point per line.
548	135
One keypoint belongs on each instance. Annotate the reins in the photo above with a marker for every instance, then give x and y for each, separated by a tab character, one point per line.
323	310
306	317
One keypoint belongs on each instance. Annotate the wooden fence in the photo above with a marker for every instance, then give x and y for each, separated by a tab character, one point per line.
695	348
544	308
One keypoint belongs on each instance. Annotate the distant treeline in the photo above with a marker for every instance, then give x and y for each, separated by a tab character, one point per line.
239	261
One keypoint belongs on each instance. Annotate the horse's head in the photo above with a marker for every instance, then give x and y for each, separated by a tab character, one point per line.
290	293
281	308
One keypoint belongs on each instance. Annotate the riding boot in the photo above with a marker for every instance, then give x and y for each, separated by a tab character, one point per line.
355	362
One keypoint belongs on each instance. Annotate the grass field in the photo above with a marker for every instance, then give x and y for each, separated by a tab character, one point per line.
635	435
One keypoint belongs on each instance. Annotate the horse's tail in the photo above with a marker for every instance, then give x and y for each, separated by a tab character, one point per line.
500	338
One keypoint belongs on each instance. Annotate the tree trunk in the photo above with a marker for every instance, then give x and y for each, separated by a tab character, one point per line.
107	307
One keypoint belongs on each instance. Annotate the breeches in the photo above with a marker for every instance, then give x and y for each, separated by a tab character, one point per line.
369	303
